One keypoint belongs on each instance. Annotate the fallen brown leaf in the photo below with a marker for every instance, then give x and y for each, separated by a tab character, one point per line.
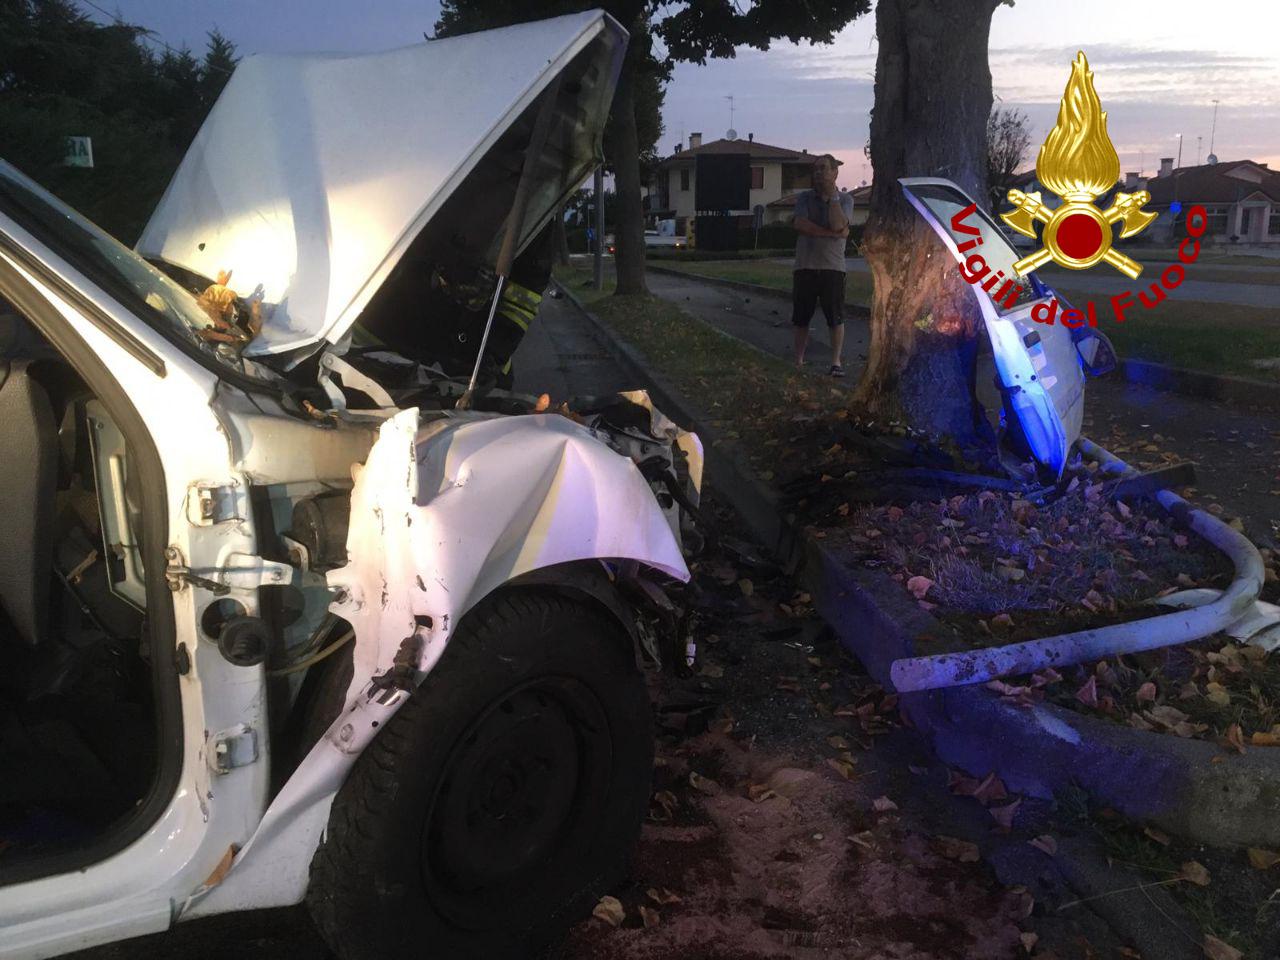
609	909
1263	859
703	784
1235	738
953	849
990	789
1216	949
1088	694
1045	843
1146	693
1003	816
883	805
662	897
648	916
1159	836
1194	872
919	586
842	767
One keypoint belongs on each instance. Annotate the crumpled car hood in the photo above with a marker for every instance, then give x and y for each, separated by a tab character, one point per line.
313	174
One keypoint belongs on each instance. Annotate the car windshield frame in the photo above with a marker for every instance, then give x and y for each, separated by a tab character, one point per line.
121	273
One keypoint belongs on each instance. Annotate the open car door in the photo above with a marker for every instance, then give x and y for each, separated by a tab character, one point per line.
1039	366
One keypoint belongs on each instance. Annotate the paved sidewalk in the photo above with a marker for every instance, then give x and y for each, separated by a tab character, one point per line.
1236	449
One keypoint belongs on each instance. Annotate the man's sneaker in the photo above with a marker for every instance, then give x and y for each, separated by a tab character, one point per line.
837	370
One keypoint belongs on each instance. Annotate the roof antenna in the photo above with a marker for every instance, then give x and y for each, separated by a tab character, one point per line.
515	224
1212	131
732	134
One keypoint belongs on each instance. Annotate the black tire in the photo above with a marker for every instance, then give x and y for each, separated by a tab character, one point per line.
501	801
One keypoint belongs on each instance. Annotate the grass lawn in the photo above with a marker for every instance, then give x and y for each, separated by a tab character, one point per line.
1214	337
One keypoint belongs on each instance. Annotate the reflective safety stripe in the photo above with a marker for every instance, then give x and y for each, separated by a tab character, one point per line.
517	315
519	305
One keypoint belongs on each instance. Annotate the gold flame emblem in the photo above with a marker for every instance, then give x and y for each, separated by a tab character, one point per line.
1079	163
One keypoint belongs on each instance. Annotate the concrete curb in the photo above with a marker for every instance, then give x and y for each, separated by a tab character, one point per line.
1188	787
1188	383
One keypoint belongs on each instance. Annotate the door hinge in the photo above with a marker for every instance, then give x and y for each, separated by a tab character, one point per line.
211	503
229	749
241	571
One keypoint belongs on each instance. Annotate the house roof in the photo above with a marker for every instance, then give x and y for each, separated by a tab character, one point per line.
1213	183
752	148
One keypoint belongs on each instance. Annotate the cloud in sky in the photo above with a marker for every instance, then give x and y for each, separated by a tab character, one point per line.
1158	69
1154	83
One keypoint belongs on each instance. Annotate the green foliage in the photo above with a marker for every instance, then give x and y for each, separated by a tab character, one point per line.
65	75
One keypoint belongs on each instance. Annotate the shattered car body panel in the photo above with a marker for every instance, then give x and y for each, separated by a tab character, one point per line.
438	520
1040	366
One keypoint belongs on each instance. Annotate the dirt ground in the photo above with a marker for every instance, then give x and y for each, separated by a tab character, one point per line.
793	816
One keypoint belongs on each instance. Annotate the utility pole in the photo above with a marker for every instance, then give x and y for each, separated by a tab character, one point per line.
1179	165
599	259
1198	139
1214	130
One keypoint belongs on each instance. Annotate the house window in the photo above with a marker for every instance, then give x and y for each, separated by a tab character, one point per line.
684	179
1273	224
1219	221
757	178
796	176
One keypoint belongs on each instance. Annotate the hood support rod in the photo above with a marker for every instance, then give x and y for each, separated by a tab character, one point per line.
515	223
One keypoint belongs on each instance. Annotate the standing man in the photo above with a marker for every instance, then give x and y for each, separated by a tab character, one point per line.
822	222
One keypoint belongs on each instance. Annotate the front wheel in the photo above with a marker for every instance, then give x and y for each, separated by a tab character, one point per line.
501	801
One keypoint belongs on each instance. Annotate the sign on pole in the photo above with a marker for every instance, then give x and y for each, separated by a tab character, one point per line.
79	152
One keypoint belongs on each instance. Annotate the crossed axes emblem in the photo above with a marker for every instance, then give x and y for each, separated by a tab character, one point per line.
1077	234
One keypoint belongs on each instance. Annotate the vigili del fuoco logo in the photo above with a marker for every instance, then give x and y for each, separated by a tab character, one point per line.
1079	163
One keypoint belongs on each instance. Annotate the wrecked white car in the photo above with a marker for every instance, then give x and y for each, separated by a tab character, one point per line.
281	620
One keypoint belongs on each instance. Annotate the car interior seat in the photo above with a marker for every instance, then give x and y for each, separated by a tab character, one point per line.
28	481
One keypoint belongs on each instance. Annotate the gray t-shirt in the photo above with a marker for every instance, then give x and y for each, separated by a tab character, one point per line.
820	253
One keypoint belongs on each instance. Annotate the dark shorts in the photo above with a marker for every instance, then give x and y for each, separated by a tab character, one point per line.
811	287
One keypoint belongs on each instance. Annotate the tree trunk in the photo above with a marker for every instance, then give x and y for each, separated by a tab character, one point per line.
561	238
932	100
629	230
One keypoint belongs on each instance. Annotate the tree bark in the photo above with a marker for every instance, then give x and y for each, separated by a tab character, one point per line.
629	230
561	238
932	100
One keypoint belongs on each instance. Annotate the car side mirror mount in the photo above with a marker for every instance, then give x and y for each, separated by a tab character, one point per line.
1097	355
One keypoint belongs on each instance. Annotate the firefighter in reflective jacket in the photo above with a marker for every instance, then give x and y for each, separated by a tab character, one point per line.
517	307
435	313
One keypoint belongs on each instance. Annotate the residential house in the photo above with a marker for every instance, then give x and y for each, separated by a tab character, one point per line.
777	173
784	208
1241	197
